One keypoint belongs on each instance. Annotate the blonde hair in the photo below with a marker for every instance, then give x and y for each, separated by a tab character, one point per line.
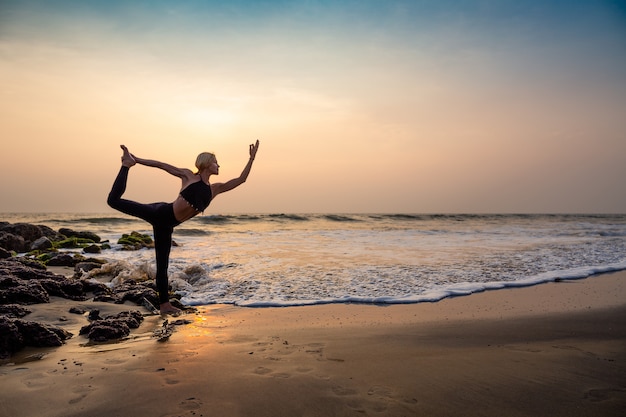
204	160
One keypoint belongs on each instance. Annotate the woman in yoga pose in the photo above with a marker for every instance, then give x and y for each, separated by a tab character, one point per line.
195	196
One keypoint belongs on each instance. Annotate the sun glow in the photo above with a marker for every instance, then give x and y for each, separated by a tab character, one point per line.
203	116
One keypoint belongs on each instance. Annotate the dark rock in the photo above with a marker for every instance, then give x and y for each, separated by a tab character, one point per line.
81	235
94	315
112	327
30	284
64	287
28	233
92	249
11	340
107	298
41	335
11	242
86	266
104	330
65	259
5	253
77	310
132	318
13	311
25	267
95	287
41	244
17	291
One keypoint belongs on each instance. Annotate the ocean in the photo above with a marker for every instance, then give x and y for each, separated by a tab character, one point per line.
259	260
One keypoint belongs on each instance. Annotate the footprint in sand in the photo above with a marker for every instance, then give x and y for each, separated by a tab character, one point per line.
191	403
343	391
82	391
604	394
266	371
262	371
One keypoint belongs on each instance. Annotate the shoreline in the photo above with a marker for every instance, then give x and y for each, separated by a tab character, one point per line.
554	349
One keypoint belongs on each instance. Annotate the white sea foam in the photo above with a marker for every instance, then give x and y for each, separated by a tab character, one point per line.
288	260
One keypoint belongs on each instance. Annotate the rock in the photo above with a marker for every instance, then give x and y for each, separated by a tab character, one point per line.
86	266
65	259
17	333
135	241
5	253
92	249
81	235
11	340
112	327
64	287
94	315
95	287
27	281
104	330
17	291
31	264
24	282
137	293
77	310
11	242
41	244
42	335
13	311
28	233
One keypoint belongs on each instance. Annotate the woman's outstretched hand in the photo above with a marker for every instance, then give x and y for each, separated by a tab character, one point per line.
253	148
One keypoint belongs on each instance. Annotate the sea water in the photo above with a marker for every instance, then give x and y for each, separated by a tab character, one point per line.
303	259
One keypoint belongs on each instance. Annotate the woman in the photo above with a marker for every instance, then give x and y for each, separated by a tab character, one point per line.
195	195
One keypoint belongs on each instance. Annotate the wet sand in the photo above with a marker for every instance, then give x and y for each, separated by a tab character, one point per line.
555	349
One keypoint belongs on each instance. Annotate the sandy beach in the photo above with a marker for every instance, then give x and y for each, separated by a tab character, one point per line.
556	349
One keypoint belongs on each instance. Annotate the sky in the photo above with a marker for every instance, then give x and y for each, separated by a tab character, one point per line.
361	106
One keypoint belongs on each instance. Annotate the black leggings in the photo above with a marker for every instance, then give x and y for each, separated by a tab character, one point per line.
160	216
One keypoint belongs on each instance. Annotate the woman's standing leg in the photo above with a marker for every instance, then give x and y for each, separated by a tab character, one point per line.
163	229
162	248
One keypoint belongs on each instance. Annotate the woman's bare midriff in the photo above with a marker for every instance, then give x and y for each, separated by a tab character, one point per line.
182	210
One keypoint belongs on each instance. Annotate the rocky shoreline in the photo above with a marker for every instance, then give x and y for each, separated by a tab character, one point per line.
26	252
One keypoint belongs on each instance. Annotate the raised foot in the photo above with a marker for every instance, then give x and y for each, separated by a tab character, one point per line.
127	158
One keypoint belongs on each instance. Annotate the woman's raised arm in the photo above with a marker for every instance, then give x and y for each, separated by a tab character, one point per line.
235	182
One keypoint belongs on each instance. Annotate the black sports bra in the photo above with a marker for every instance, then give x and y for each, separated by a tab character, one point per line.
198	195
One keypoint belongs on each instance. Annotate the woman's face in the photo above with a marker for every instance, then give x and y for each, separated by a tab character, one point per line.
214	167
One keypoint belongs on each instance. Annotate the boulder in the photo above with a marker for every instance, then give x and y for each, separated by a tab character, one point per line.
41	244
92	249
65	259
11	340
29	232
13	311
17	333
81	235
86	266
112	327
17	291
28	282
12	242
135	241
42	335
5	253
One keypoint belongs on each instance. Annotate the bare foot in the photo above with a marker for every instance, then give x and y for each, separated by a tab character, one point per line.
127	158
168	308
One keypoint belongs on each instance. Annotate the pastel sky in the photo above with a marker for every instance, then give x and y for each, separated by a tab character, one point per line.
361	106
